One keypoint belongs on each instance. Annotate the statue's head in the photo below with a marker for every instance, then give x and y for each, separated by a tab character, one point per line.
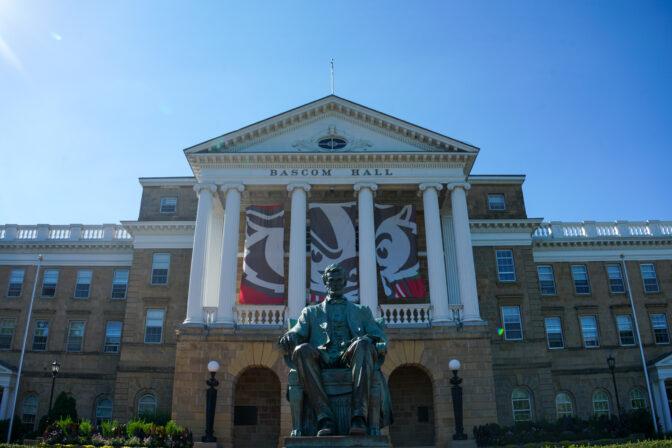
334	279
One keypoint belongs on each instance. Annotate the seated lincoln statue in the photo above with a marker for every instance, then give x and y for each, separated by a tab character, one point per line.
339	334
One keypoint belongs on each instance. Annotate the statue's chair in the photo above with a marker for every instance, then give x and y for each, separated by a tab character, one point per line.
338	385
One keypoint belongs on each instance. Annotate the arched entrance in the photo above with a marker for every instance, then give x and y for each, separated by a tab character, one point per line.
256	409
412	407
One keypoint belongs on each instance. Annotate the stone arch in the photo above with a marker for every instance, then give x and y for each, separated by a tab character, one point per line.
256	408
261	354
412	391
402	353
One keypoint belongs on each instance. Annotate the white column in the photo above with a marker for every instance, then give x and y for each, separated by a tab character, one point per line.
436	268
296	284
665	418
450	260
213	264
199	254
6	393
368	287
229	268
465	255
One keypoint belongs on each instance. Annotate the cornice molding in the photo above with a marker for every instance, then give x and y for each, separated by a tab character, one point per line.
164	227
505	225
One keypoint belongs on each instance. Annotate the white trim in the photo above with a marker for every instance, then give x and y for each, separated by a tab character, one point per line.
577	254
161	234
489	179
120	258
167	181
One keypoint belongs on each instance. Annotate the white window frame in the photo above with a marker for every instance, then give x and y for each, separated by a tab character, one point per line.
503	203
164	203
107	345
116	282
562	336
574	279
163	325
10	282
69	335
583	332
621	319
607	399
564	413
656	326
655	278
515	412
45	336
154	268
36	405
618	279
552	280
504	323
5	324
44	278
507	273
100	419
140	404
641	397
81	277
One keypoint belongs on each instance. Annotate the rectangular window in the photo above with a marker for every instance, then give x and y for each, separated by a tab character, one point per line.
119	284
580	277
41	335
649	278
6	333
83	286
626	332
112	337
154	326
15	282
160	266
496	202
169	205
659	327
546	280
615	276
506	271
513	329
75	336
554	332
589	331
49	282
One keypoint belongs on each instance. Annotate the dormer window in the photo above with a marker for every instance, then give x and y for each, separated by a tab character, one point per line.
332	143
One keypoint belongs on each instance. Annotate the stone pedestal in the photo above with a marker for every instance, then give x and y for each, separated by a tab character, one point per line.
469	443
338	442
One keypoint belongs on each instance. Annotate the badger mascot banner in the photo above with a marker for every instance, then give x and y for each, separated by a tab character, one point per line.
397	251
332	240
263	281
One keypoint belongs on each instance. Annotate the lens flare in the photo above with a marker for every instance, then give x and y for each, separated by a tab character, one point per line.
500	331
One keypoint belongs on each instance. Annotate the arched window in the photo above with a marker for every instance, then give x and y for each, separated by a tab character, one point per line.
29	411
521	405
600	403
103	410
563	405
147	405
637	399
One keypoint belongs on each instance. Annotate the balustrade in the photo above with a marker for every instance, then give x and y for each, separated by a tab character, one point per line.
260	315
590	229
63	233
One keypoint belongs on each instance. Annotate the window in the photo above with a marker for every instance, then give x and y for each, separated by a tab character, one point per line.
615	276
513	330
41	335
589	331
649	278
546	280
496	202
103	410
521	405
506	271
147	405
563	405
659	327
600	403
168	205
75	336
83	286
112	337
332	143
6	333
119	284
160	265
580	276
15	282
626	333
637	399
29	411
49	282
554	332
154	326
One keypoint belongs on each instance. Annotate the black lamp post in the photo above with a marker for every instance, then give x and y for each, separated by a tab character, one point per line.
611	362
456	391
211	402
55	367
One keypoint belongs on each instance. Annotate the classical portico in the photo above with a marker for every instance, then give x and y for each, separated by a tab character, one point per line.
367	155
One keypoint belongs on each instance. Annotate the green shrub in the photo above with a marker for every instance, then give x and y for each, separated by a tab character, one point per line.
173	429
85	428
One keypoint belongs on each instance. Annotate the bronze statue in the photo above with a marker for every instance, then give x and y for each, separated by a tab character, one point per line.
338	334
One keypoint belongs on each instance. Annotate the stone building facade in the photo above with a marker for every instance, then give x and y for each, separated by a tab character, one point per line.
532	309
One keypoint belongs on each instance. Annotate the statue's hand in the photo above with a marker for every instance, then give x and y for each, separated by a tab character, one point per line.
288	341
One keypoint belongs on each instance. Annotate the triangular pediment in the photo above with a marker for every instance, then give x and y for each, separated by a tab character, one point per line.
331	125
666	361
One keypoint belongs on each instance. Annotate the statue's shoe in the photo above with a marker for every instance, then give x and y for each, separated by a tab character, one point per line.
358	427
327	428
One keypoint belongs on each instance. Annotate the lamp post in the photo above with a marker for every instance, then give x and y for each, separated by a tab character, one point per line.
55	367
611	362
456	391
211	402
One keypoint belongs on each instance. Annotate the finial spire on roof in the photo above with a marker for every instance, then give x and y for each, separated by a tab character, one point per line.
333	85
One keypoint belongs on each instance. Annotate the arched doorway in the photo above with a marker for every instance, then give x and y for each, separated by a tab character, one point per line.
412	407
256	409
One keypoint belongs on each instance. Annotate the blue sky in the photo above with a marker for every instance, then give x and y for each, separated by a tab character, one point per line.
94	94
